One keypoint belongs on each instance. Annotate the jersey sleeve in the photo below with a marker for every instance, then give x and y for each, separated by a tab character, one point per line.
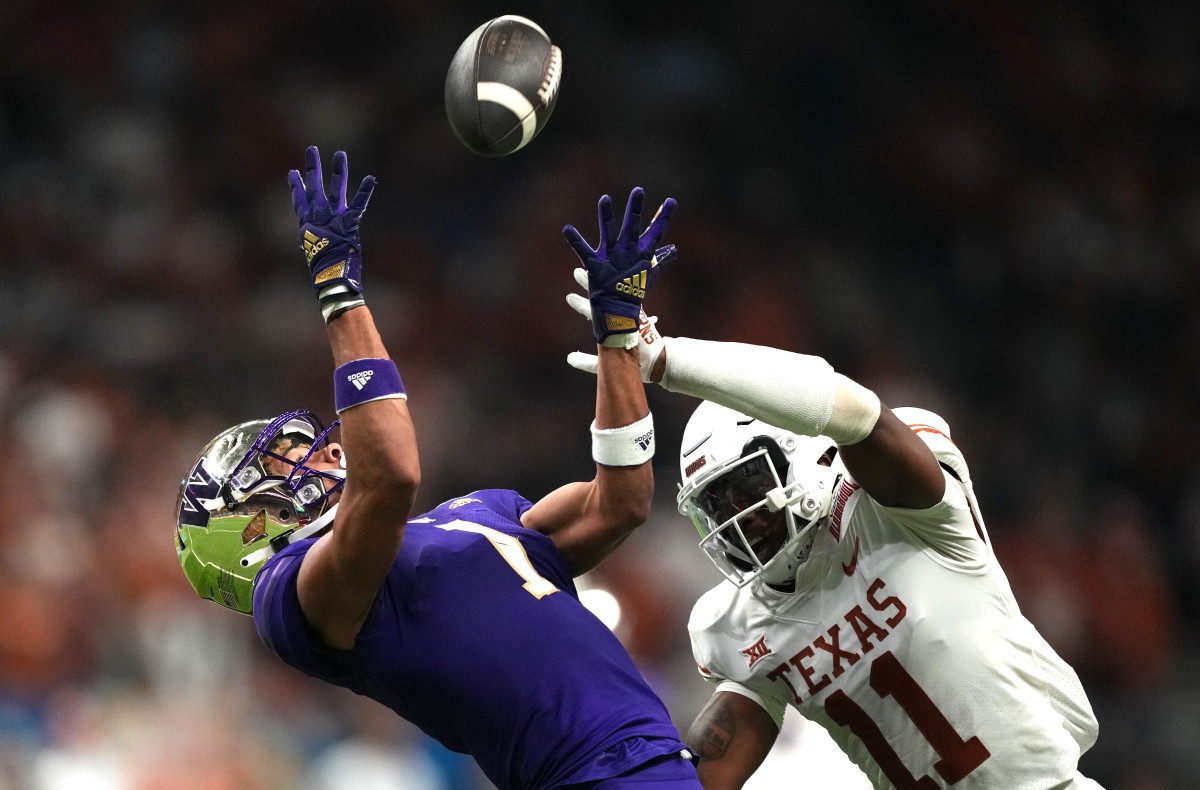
774	707
951	527
281	623
704	632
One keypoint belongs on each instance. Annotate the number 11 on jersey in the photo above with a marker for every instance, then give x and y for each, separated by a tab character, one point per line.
889	678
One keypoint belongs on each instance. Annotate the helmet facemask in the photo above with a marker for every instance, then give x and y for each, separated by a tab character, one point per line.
757	510
245	499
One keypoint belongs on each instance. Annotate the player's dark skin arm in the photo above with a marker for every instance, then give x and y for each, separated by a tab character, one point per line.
587	521
342	572
732	736
892	464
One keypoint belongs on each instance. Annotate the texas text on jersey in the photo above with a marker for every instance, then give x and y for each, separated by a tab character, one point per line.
903	639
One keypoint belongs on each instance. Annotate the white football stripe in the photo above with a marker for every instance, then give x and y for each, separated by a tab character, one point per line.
515	18
513	100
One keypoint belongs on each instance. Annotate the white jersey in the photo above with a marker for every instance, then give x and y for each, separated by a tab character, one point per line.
904	641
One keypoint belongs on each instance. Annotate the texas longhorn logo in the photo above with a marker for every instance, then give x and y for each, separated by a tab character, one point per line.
757	650
360	379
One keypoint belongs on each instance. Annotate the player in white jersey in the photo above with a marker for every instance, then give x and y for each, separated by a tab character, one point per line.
861	586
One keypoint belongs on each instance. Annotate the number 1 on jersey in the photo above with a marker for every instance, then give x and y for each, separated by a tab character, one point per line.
513	553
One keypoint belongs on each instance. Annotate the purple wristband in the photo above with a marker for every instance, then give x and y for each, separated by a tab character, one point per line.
364	380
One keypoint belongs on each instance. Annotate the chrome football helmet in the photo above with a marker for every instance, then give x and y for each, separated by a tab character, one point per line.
244	499
756	493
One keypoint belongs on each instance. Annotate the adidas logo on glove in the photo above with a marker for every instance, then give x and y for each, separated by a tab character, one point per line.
634	286
360	379
313	244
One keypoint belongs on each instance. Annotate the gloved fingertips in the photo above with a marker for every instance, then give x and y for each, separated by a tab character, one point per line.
605	212
363	195
633	212
299	201
581	248
664	255
580	304
582	361
339	178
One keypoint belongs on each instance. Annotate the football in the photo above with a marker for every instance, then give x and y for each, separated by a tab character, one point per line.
502	85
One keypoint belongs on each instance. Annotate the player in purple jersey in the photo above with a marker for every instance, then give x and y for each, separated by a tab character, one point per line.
463	620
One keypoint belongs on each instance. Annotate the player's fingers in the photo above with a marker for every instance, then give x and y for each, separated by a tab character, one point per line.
299	201
664	255
581	305
581	277
581	361
632	225
605	211
583	251
657	225
314	181
359	204
337	184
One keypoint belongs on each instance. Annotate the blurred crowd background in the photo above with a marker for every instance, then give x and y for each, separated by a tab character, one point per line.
990	210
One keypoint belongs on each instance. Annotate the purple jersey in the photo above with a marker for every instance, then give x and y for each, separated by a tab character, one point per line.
478	637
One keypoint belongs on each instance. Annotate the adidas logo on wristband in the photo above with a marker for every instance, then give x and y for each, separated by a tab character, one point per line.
360	379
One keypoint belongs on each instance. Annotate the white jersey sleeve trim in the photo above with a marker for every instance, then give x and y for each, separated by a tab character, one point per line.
775	708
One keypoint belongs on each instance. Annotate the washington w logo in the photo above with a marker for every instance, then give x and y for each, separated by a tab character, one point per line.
360	379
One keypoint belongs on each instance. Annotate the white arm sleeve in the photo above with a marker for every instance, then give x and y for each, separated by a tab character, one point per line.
799	393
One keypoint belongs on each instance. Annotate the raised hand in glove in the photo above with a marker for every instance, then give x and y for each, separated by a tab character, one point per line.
620	271
329	232
650	342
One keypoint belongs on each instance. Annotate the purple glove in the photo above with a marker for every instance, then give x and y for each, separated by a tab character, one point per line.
330	232
618	277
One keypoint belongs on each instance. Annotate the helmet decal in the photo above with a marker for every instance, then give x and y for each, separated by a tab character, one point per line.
197	488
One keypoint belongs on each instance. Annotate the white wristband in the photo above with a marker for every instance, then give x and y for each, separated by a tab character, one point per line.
629	445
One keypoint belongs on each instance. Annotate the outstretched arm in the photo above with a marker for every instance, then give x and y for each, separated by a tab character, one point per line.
732	736
587	521
342	572
803	394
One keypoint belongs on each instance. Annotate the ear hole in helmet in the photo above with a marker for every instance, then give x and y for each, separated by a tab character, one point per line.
774	452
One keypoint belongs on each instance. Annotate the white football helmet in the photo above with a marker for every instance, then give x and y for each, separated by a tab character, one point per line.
756	493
